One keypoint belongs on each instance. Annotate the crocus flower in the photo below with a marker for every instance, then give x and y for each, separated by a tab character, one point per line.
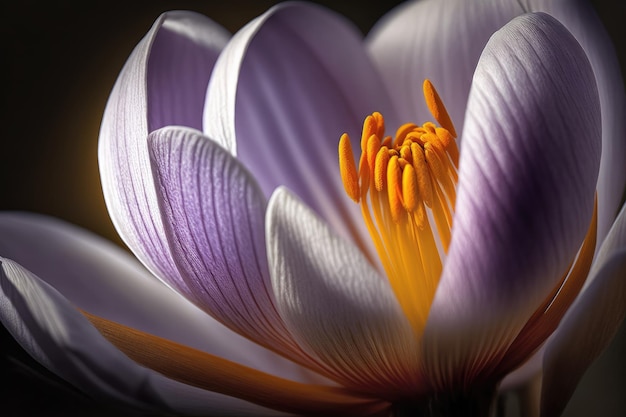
219	166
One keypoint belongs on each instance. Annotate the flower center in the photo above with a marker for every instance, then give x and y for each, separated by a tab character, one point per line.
403	185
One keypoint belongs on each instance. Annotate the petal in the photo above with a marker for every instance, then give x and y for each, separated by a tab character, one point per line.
180	60
336	304
442	41
50	329
214	217
589	325
163	82
438	40
527	179
580	18
98	277
283	92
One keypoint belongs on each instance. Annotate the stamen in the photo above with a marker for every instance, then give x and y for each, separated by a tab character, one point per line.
436	107
394	180
380	169
348	168
404	184
410	193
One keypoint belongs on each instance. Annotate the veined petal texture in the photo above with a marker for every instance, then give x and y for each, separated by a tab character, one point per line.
214	215
161	83
283	92
338	306
527	178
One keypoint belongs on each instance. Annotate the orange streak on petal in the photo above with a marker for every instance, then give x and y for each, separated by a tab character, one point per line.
203	370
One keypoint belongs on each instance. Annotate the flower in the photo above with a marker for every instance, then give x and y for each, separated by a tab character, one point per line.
218	166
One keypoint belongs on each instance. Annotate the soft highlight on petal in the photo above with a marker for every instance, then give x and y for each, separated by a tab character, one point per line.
581	20
214	217
436	39
527	180
100	278
162	82
51	330
287	87
337	305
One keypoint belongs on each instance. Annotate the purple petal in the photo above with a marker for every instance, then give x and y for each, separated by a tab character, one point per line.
162	82
98	277
580	18
439	40
53	331
589	325
527	180
442	41
336	305
180	60
214	213
284	90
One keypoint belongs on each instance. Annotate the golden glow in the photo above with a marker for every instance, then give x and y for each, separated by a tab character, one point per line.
403	185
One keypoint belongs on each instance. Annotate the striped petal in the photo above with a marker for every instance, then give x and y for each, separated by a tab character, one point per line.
580	18
100	278
443	39
214	214
527	179
590	324
336	305
55	333
436	39
163	82
284	90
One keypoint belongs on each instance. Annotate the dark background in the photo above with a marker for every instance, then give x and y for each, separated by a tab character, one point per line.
59	61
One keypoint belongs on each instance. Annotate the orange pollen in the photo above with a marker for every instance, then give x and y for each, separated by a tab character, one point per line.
403	184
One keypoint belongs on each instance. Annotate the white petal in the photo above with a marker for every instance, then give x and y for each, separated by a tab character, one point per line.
336	304
283	92
104	280
436	39
53	331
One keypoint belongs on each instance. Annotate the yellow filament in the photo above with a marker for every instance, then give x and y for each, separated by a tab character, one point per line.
401	181
212	373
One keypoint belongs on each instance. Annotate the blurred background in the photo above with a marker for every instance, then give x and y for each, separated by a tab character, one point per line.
59	62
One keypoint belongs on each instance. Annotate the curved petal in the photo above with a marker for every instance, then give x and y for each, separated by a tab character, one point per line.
436	39
282	93
589	325
580	18
53	331
163	82
336	304
527	180
100	278
443	39
214	216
